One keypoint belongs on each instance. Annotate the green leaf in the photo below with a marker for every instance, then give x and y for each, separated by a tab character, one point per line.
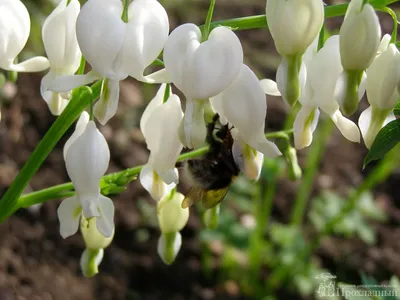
386	139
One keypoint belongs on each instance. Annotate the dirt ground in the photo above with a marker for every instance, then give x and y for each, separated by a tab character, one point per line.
36	263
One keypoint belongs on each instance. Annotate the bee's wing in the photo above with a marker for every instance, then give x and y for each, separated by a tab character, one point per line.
212	197
194	195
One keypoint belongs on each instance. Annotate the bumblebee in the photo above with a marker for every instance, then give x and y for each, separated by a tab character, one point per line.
213	173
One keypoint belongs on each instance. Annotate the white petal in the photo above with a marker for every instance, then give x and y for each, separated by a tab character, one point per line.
105	223
171	216
173	248
69	213
349	130
161	76
382	78
55	101
385	41
59	38
34	64
161	134
107	105
304	127
79	129
87	160
370	127
15	26
248	160
192	130
147	33
99	26
89	263
244	105
270	87
154	103
67	83
153	184
91	235
181	44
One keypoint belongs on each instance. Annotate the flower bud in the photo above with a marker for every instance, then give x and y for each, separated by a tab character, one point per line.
294	24
360	35
171	216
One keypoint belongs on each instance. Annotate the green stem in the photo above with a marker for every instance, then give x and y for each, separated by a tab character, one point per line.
206	27
262	210
395	23
82	66
124	15
76	105
314	157
350	101
56	191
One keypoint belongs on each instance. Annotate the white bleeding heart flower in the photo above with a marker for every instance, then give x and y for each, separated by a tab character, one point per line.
243	105
382	94
360	35
126	48
303	22
62	49
159	125
319	92
15	26
87	157
201	70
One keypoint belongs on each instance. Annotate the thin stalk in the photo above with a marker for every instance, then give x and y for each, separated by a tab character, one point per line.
206	27
314	157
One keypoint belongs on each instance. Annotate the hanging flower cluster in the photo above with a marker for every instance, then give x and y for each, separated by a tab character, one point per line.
334	78
119	40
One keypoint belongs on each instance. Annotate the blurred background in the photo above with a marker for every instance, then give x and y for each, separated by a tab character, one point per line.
262	248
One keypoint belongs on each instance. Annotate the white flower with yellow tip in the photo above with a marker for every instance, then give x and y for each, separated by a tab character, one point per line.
159	125
116	49
87	157
319	92
201	70
15	25
61	45
171	218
